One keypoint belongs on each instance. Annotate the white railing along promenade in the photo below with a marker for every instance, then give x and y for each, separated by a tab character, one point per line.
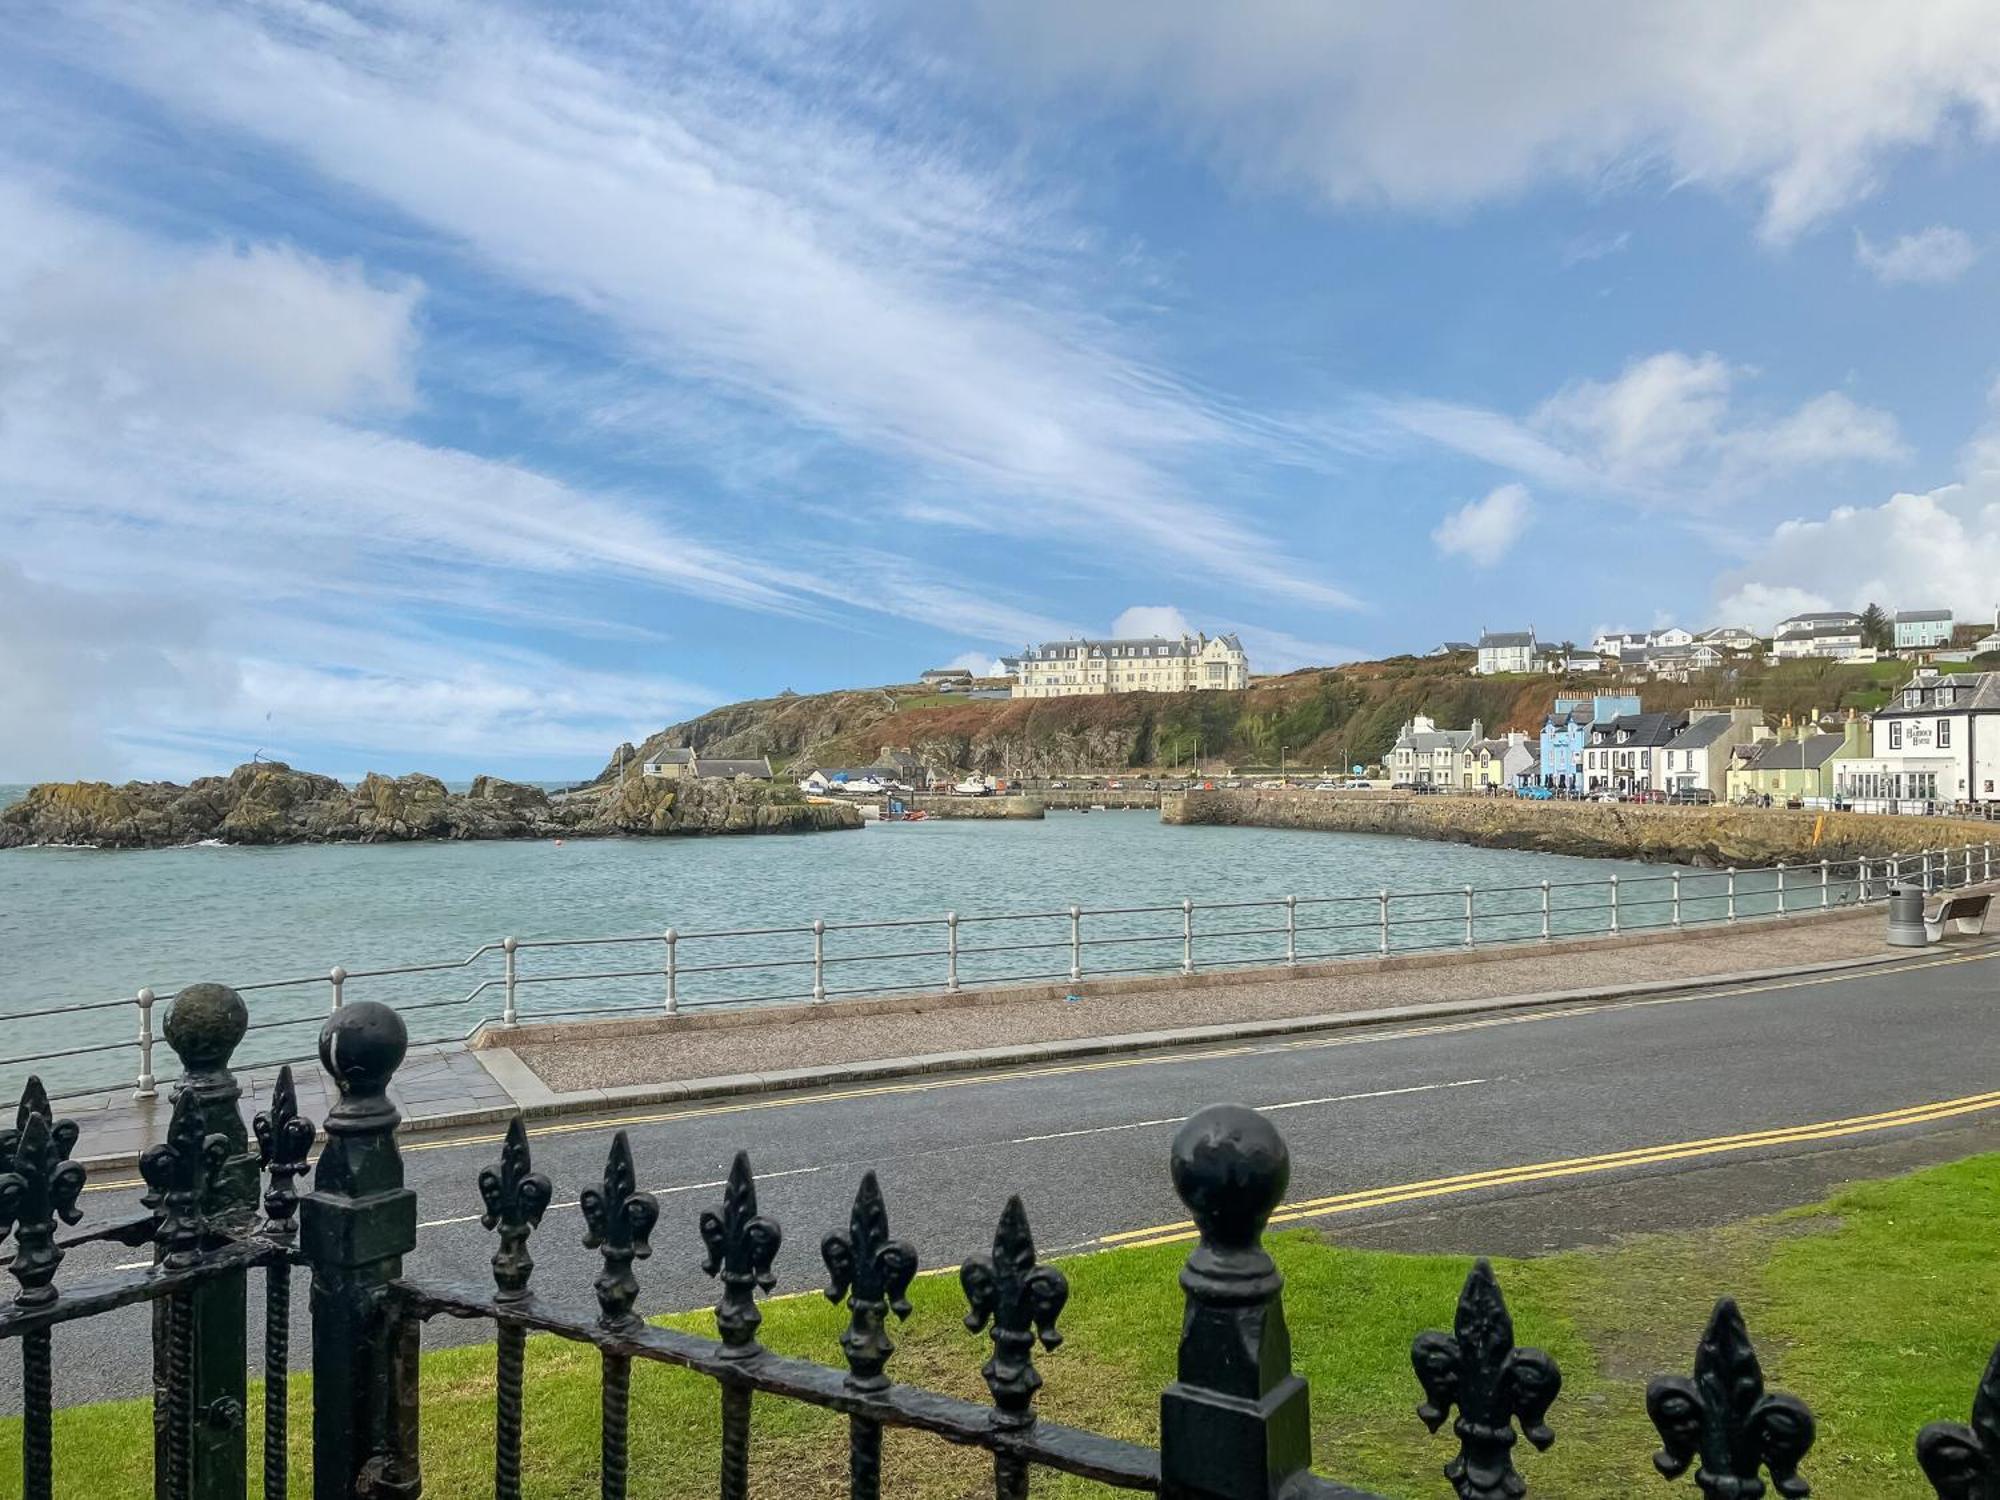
671	972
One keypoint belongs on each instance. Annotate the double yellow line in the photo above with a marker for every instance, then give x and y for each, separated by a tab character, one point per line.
1582	1166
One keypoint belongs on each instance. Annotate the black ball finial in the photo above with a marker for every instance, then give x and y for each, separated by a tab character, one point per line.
1230	1168
361	1046
204	1024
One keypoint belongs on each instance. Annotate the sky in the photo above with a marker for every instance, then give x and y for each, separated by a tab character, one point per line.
419	385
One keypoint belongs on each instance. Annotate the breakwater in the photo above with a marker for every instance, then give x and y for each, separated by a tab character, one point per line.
1714	836
976	807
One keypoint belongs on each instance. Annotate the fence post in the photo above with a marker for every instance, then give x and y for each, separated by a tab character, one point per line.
1384	900
1545	911
1075	944
1732	893
1781	887
1235	1424
1614	906
1468	916
1676	908
203	1026
145	1087
1187	935
356	1226
337	977
672	938
510	1014
1291	930
1824	872
951	952
819	960
1861	879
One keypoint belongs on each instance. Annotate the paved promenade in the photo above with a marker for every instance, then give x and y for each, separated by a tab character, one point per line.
549	1071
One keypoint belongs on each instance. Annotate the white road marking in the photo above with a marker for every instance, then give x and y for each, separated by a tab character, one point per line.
662	1192
1417	1088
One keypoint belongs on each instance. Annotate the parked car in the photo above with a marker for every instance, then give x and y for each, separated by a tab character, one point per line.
1356	784
1698	796
1324	786
1607	797
1536	793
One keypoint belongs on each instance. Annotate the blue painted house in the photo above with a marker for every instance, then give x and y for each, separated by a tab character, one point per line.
1566	730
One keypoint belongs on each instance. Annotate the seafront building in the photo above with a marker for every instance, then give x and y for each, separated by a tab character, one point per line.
1622	754
1425	755
1801	762
1937	741
1697	759
672	765
1566	730
1149	664
1508	761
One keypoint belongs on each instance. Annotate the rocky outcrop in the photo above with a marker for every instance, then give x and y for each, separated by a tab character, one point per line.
1717	837
267	802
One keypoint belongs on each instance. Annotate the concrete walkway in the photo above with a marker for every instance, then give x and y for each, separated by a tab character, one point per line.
571	1069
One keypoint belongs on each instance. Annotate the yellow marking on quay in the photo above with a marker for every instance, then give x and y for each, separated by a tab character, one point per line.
1581	1166
1162	1058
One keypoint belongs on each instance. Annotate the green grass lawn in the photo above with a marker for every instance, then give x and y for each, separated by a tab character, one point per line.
1878	1307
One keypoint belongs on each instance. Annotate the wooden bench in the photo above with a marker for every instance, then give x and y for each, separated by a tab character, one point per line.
1960	916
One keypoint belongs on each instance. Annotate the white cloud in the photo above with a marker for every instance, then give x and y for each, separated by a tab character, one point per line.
1585	248
1934	550
1436	106
748	203
1151	619
1930	256
1484	531
1665	427
975	662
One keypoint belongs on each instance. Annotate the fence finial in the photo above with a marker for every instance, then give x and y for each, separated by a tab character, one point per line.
1963	1462
1235	1424
1022	1301
872	1273
516	1196
1477	1368
619	1220
1723	1423
284	1141
741	1244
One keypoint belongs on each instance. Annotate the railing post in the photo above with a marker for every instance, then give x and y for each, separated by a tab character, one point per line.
1676	908
1291	930
1468	917
672	938
1861	880
1187	935
1075	944
1235	1423
1545	911
510	1012
203	1026
1781	887
819	961
1825	874
951	952
1732	893
1614	906
356	1226
337	977
1383	909
146	1086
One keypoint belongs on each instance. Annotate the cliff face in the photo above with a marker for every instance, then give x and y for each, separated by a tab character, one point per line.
1717	837
267	802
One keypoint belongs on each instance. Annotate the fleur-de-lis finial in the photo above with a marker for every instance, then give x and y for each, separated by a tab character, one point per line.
516	1197
40	1186
1723	1422
180	1172
872	1272
1477	1368
284	1141
1021	1300
619	1220
742	1244
1963	1462
35	1101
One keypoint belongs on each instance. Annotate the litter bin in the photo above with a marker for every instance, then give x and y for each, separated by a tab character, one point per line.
1906	917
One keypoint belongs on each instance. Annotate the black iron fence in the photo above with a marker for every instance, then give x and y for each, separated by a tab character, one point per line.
1234	1424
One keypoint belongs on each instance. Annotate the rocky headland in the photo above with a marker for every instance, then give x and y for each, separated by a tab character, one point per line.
267	802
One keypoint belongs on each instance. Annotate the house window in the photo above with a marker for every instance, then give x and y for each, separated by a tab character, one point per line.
1895	734
1944	734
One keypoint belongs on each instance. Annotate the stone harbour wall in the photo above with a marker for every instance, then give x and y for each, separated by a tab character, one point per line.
1716	836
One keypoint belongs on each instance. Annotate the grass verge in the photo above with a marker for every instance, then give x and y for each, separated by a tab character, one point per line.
1879	1307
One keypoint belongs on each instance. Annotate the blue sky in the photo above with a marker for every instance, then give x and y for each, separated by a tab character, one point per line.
468	387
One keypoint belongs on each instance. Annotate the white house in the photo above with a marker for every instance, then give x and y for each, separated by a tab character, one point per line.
1672	635
1425	755
1616	642
1938	740
1834	633
1697	759
1922	629
1729	638
1507	651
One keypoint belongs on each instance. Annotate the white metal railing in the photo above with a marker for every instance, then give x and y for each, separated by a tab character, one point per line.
820	961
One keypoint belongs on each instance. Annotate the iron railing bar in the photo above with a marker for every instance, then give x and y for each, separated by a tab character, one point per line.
1069	1450
127	1288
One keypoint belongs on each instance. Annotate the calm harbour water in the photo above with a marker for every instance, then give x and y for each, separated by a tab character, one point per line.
85	925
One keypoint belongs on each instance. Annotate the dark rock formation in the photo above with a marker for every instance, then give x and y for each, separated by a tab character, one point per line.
267	802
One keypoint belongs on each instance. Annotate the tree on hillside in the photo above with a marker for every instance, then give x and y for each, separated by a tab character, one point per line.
1877	629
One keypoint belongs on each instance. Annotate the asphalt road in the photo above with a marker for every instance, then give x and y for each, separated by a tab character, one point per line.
1462	1135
